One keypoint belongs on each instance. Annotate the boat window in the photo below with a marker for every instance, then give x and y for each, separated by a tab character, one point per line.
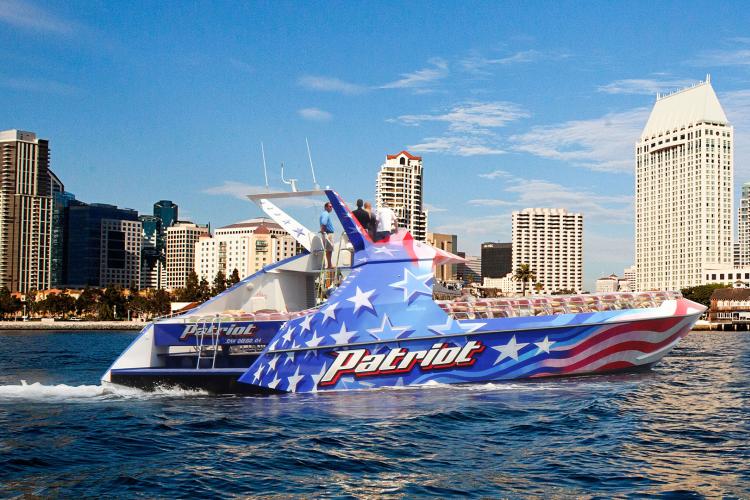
546	306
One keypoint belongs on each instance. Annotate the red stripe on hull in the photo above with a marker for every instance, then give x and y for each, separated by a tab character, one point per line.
653	325
632	345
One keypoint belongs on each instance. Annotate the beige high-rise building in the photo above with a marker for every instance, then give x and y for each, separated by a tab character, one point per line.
400	185
448	243
683	190
550	241
181	239
26	205
246	246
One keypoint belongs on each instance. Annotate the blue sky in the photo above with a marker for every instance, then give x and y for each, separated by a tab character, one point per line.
511	104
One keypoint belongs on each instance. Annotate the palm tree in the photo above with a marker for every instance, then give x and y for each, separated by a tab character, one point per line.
524	274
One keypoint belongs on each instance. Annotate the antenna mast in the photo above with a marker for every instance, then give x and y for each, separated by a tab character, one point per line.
291	182
312	168
265	171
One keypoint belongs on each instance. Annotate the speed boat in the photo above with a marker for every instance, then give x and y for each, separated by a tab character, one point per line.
371	322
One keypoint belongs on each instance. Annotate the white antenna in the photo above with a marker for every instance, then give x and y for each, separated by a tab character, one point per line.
291	182
312	168
265	171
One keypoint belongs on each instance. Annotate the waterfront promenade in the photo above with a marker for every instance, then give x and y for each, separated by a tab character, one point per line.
71	325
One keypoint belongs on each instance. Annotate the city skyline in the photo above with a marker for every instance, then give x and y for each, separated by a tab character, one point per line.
524	114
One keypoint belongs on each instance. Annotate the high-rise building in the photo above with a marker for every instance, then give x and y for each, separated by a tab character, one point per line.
400	185
60	229
683	185
497	259
743	228
27	187
471	270
628	274
102	246
448	243
181	239
550	241
152	252
167	212
154	256
246	246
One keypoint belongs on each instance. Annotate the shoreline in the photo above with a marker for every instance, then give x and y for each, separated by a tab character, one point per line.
72	325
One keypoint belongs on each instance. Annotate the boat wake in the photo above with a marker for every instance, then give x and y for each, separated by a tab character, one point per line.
61	392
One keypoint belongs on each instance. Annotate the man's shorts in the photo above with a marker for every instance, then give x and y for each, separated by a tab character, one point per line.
328	242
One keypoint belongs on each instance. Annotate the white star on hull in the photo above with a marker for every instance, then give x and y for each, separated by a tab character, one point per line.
544	345
509	350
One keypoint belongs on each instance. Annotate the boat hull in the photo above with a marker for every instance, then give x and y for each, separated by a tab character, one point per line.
542	347
203	380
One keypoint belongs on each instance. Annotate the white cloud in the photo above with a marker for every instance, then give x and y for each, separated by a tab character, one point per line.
477	229
529	193
26	15
38	85
487	202
471	116
315	114
612	209
469	131
433	209
728	57
437	71
328	84
495	174
644	86
238	190
456	145
602	144
477	63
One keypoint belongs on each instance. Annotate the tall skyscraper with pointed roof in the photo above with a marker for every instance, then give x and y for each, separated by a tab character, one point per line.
683	190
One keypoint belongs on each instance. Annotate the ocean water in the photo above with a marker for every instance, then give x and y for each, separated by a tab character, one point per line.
681	430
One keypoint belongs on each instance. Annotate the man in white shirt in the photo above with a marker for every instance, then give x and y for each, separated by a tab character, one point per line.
386	222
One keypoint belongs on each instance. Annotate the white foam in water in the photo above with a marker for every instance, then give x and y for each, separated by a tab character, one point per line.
62	392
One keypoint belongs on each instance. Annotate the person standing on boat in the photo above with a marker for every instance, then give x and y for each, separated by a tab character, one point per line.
362	215
372	226
386	222
326	231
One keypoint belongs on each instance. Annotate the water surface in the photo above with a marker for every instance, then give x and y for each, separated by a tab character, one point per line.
680	430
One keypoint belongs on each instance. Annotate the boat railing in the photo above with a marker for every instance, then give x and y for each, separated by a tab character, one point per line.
509	307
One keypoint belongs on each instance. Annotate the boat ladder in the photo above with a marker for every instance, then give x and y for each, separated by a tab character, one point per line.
329	277
213	330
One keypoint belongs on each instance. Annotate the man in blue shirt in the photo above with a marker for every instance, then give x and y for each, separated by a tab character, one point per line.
326	231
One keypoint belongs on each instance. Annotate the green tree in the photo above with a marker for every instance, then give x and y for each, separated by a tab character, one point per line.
564	291
191	291
139	304
87	302
160	303
204	291
538	287
8	303
524	274
220	283
234	278
112	304
701	293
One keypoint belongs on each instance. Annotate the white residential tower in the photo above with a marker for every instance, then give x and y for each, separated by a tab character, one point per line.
683	190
